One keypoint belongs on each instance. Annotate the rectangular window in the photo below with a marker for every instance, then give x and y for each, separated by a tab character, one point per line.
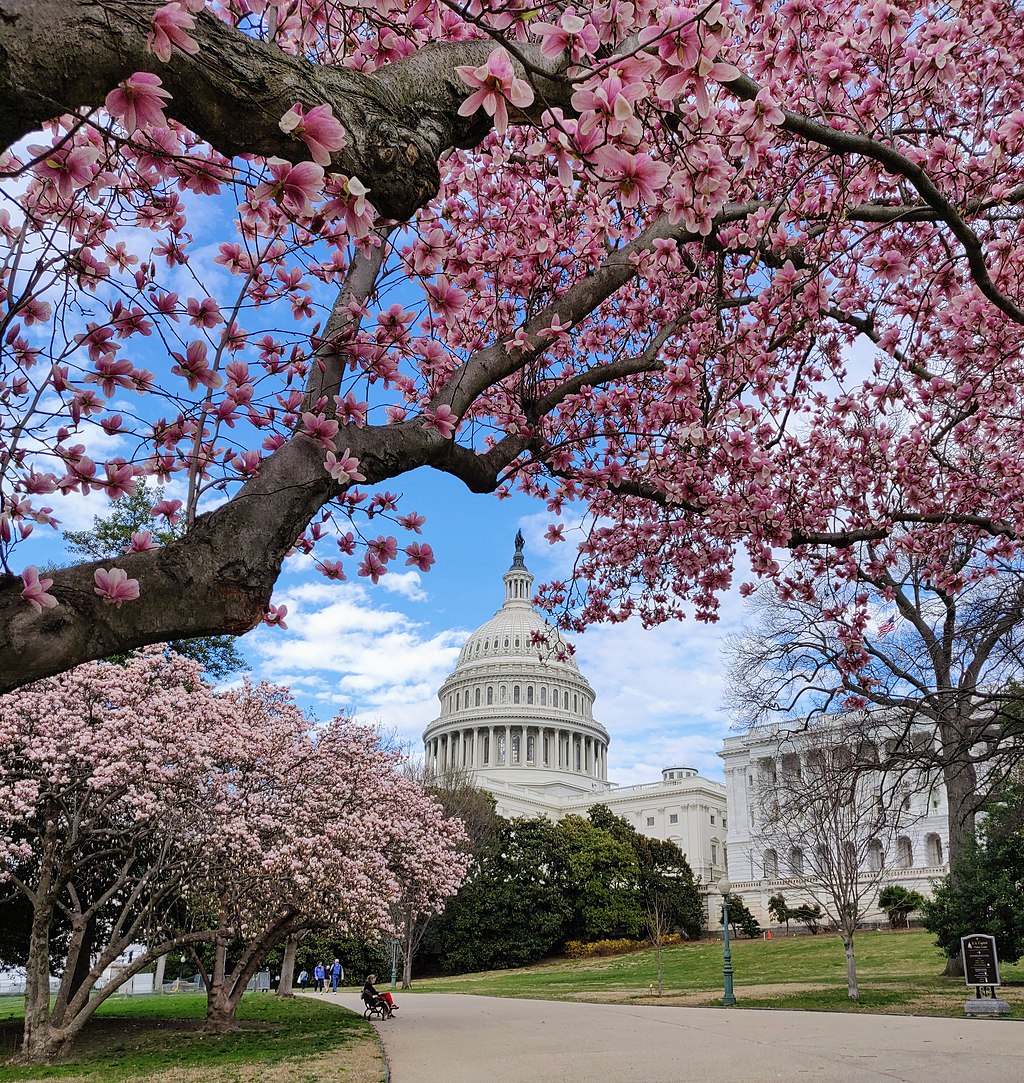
712	819
650	821
673	817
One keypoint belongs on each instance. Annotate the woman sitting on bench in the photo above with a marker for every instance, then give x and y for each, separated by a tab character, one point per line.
370	993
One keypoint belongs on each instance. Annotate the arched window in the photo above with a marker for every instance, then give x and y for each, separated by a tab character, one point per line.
506	641
449	704
576	702
502	694
516	642
501	748
531	750
543	695
771	865
529	694
796	861
515	748
875	856
933	850
457	694
905	853
515	693
490	695
476	698
486	748
554	697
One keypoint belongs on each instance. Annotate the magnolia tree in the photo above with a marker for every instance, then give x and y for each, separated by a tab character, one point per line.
138	806
336	862
722	276
110	782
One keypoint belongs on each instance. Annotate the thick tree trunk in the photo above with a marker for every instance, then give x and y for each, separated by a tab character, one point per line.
852	991
961	782
158	977
291	947
37	1041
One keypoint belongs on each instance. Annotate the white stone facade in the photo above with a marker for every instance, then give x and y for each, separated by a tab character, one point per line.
914	857
517	717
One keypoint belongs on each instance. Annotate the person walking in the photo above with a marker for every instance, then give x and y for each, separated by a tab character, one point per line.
303	979
337	975
318	977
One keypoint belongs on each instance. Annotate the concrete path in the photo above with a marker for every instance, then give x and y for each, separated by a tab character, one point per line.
448	1038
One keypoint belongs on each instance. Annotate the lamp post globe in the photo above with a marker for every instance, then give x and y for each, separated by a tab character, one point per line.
725	885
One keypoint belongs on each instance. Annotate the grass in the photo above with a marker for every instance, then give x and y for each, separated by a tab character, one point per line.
897	972
158	1039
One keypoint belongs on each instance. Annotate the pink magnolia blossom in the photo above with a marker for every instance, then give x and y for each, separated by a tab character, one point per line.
343	468
167	509
170	29
634	177
322	429
295	187
443	419
496	84
66	168
322	133
572	35
275	616
141	541
35	590
138	102
420	555
114	586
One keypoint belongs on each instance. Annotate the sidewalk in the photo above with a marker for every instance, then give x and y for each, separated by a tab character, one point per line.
447	1038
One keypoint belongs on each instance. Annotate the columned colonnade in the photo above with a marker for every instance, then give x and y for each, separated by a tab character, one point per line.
518	745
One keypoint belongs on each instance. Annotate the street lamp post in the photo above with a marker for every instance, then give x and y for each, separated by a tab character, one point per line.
394	962
724	886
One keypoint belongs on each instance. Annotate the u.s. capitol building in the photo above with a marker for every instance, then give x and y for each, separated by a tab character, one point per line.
517	719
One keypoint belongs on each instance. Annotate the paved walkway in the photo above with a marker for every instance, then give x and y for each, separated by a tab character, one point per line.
448	1038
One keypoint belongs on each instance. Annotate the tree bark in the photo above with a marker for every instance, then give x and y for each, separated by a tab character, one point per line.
852	990
158	977
291	947
37	1040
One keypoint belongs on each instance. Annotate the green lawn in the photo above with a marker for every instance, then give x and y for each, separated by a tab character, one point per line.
148	1038
898	972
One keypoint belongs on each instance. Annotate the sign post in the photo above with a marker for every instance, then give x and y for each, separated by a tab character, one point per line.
981	969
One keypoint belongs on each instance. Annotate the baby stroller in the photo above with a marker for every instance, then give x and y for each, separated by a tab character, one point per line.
376	1007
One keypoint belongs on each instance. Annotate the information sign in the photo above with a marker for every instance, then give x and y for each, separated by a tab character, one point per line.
981	966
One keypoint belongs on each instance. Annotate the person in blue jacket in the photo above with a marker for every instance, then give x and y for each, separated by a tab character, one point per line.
318	977
337	975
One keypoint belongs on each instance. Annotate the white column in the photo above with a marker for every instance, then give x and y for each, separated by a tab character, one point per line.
508	746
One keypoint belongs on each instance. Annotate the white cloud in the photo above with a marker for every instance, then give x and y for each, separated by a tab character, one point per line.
344	649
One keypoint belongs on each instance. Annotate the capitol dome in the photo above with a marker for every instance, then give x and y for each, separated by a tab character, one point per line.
516	710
